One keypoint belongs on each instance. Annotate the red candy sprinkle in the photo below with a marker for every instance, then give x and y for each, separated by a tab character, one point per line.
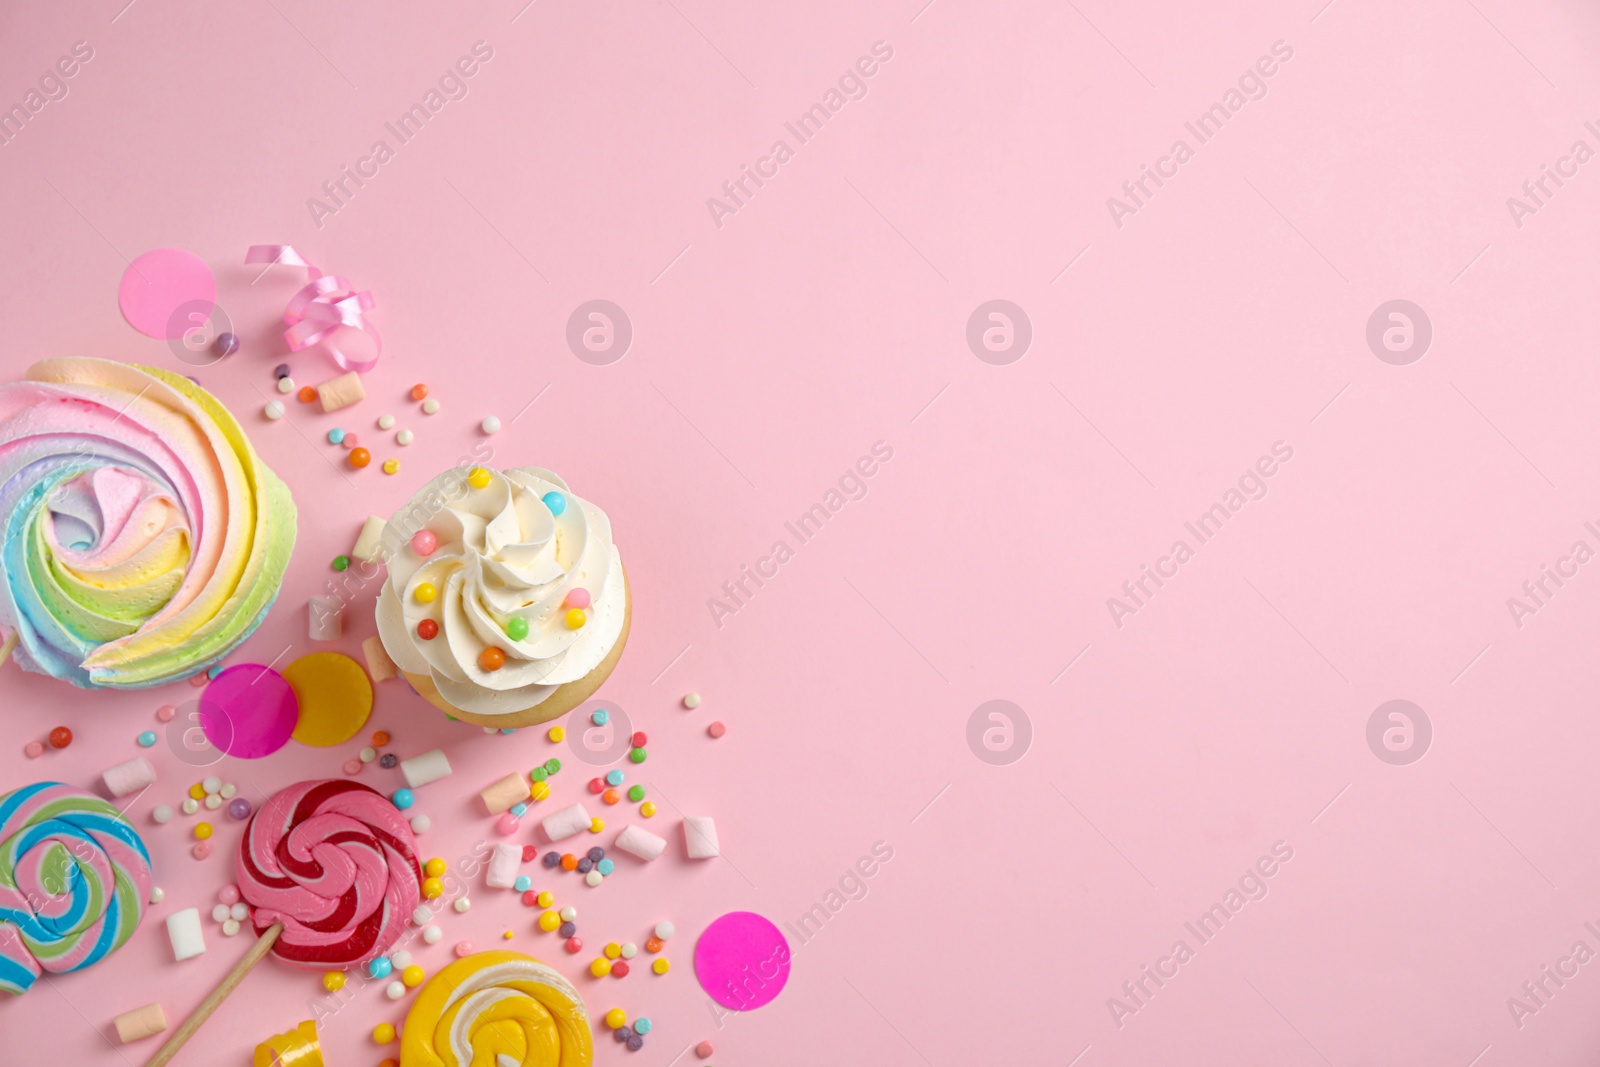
597	785
530	898
60	737
640	740
529	853
574	945
619	969
427	629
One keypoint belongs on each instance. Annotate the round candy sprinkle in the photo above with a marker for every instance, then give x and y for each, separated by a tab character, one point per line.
636	793
273	410
552	765
213	802
462	905
60	737
226	344
281	371
227	791
538	774
529	897
197	791
368	754
307	394
661	966
403	798
556	502
556	734
529	852
430	406
424	542
147	739
425	592
157	894
352	766
490	425
628	950
596	825
691	700
517	628
546	899
202	830
404	437
623	1033
380	967
491	659
420	824
431	935
433	889
359	457
614	776
640	739
569	862
190	805
161	813
335	435
665	930
522	884
201	851
478	478
585	865
350	440
395	990
412	976
391	466
610	796
597	786
638	755
642	1026
427	629
341	563
507	824
238	809
616	1017
286	385
620	969
574	945
33	750
385	422
605	867
567	929
575	619
388	760
419	391
600	716
463	949
596	853
551	860
635	1043
600	967
716	729
549	921
333	981
383	1033
166	713
593	878
380	737
211	784
704	1050
539	790
578	598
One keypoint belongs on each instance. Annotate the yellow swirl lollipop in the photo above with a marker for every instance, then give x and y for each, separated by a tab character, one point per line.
497	1009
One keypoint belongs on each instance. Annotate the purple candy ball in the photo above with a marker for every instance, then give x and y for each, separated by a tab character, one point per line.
226	344
239	808
281	371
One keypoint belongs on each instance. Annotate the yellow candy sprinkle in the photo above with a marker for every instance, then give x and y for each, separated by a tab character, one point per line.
426	593
412	976
576	618
661	966
507	936
549	921
613	950
648	809
434	867
197	791
556	734
391	466
615	1018
546	899
202	830
333	981
432	888
383	1033
600	968
539	791
596	824
478	478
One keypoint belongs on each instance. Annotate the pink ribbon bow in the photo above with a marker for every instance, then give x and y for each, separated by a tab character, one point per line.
327	304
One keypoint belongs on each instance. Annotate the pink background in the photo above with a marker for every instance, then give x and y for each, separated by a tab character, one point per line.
829	313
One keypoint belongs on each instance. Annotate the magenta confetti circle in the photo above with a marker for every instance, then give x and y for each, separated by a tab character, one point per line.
249	711
742	960
159	283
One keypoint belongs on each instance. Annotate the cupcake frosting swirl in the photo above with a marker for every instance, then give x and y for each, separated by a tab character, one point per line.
521	547
141	538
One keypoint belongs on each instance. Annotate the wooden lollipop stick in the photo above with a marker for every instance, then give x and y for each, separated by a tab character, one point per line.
215	998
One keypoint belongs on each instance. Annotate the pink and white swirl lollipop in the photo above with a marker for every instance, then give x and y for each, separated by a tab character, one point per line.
335	863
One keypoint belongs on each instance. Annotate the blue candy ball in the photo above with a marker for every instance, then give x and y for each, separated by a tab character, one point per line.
605	867
523	883
555	502
380	967
641	1026
403	799
614	777
600	716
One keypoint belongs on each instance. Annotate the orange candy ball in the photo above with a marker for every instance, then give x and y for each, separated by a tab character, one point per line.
359	457
381	737
419	391
569	862
307	394
655	944
60	737
610	796
491	659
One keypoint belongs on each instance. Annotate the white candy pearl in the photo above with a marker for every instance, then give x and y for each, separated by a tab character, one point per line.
368	755
213	802
230	927
422	916
228	791
385	422
431	935
157	894
569	914
691	701
219	913
162	813
430	406
593	878
273	410
629	950
401	959
211	784
404	437
190	806
240	911
286	385
491	425
462	905
420	824
396	990
665	930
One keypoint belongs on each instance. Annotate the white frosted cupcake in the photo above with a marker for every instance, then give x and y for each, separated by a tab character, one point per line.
506	604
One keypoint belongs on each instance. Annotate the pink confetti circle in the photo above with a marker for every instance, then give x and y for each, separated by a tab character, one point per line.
249	711
158	284
742	961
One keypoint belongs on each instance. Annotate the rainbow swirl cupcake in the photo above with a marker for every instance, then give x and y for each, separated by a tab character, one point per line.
141	538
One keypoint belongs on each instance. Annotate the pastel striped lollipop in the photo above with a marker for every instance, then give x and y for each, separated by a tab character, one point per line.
500	1008
335	862
74	878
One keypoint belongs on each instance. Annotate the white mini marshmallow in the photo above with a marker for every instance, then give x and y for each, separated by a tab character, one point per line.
511	790
503	866
341	392
566	822
369	545
183	930
700	837
129	777
428	767
637	841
